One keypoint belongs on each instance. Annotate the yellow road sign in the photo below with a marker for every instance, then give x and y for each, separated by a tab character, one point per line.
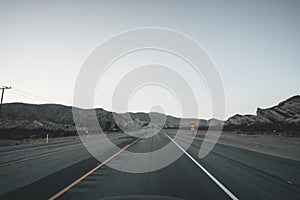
192	123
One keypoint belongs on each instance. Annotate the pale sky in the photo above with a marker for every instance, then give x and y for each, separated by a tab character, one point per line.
254	44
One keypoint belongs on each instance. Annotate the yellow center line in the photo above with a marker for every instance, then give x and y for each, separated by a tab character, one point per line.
38	156
92	171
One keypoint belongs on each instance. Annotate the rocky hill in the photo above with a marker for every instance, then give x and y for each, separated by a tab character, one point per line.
287	112
283	118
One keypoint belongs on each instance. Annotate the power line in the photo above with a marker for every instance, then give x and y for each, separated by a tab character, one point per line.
30	95
25	96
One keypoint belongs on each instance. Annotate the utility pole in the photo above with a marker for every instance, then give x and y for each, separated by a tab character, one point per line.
2	95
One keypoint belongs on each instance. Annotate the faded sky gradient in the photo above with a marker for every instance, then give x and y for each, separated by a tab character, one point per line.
255	45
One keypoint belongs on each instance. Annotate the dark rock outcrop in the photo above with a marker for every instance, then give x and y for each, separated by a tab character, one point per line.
286	112
240	120
283	118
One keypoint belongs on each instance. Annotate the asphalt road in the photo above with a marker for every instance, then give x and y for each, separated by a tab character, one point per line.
66	170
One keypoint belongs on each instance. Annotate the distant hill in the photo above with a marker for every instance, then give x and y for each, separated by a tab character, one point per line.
19	120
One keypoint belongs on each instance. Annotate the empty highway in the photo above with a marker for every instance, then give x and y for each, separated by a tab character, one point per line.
66	170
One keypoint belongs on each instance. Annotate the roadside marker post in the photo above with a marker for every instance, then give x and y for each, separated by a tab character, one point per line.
47	139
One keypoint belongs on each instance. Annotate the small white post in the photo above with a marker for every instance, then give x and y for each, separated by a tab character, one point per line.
47	139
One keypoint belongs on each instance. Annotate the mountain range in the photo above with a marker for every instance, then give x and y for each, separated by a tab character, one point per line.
20	120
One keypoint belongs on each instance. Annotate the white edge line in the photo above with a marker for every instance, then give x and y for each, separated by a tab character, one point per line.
232	196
